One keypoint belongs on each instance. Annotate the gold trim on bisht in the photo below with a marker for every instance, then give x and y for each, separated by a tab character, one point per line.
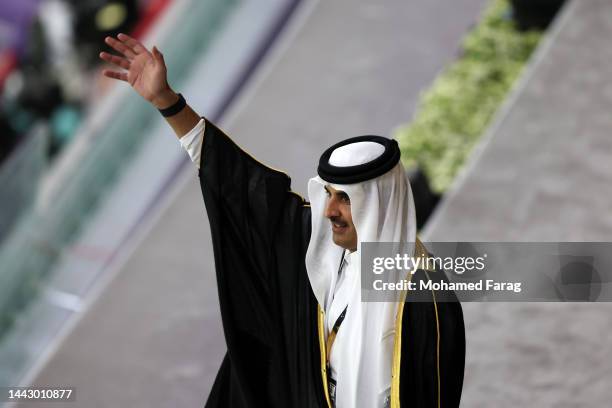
397	344
321	325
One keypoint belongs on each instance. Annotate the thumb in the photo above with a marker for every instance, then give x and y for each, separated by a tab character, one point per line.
158	55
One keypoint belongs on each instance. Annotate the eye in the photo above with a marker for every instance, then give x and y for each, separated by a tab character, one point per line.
345	198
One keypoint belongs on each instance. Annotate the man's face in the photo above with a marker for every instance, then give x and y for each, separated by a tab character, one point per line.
338	210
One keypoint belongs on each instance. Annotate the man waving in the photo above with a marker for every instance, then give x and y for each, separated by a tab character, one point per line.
289	275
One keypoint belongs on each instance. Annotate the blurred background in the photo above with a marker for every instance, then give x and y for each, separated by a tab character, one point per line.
107	280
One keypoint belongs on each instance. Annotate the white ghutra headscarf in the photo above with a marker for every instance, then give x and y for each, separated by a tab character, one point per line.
367	168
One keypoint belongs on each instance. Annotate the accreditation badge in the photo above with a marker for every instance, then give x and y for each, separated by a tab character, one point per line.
332	391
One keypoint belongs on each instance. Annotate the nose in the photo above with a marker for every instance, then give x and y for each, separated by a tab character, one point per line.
331	208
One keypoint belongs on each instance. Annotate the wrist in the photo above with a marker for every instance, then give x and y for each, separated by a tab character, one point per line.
165	99
175	108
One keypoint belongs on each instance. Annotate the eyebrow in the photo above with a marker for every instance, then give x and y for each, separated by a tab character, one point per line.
339	192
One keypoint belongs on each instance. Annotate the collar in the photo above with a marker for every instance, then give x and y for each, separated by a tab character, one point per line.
349	256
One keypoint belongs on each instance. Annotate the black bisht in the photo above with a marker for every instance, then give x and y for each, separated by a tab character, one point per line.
260	232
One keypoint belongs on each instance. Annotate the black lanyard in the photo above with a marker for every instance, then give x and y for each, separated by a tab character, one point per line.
334	331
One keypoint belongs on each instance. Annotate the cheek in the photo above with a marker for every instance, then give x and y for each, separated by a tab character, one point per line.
346	214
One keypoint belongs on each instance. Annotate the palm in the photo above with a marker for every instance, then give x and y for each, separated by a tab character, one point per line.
145	71
145	76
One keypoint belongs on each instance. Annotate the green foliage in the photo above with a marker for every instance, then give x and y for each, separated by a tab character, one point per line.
460	104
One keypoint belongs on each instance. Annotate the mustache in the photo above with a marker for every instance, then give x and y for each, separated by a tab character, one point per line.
338	220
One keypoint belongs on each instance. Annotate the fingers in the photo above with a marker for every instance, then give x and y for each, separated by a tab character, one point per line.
120	47
134	44
122	76
113	59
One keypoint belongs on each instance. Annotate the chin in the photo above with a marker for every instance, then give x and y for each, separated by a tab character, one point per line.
338	241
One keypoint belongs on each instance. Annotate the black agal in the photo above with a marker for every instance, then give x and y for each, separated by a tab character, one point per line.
361	172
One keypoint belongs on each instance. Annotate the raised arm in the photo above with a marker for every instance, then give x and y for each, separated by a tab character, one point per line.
146	73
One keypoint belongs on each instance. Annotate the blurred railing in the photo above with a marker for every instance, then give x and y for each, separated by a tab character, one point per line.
45	227
19	177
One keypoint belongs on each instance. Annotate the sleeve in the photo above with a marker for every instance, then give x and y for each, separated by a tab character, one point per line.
433	334
451	344
192	142
246	202
451	353
257	240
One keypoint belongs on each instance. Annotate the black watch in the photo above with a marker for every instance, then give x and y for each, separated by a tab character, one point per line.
175	108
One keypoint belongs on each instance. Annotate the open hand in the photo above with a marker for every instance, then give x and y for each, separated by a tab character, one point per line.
145	71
